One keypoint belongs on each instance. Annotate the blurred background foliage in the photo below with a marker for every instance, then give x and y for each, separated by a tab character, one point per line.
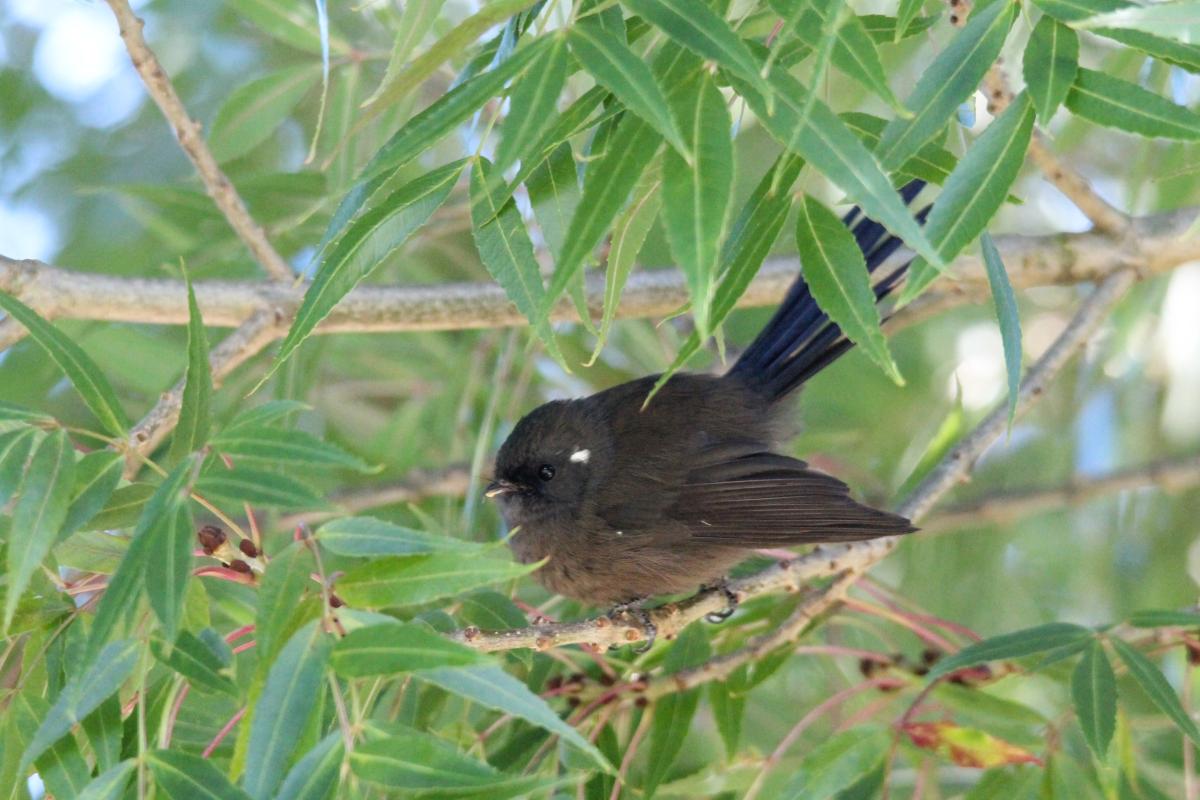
92	180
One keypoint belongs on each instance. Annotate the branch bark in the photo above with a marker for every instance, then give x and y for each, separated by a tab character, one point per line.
188	132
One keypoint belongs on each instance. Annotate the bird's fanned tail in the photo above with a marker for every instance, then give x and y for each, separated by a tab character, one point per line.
801	340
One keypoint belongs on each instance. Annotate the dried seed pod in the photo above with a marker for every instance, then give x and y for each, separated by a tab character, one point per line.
211	537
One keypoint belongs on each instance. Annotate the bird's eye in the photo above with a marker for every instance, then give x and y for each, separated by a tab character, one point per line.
546	472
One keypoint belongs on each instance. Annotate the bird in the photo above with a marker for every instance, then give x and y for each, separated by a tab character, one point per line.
625	500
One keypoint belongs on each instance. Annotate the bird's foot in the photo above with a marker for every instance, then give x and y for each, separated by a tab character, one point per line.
635	608
731	600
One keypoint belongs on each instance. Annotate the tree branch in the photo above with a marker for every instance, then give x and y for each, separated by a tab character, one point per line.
187	131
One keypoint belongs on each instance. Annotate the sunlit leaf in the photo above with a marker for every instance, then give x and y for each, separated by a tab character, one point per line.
416	20
1119	104
389	649
1008	318
169	555
278	446
532	102
256	110
287	575
674	713
191	432
80	370
838	762
1158	618
1155	685
1180	19
194	660
258	488
96	477
292	23
14	457
1050	63
104	732
315	776
1094	690
410	580
1169	51
1018	644
181	774
110	784
366	536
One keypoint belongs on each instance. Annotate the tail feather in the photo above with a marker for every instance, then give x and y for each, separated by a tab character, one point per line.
800	340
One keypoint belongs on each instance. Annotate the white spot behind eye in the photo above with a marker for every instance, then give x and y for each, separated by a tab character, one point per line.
581	456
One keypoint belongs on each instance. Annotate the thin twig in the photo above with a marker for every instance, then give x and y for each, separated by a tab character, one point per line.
188	132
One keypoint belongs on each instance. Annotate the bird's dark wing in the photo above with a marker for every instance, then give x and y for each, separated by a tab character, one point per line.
762	499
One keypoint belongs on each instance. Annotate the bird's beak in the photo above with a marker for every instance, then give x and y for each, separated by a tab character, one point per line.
499	487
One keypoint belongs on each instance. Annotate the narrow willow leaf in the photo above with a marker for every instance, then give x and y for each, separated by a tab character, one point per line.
604	54
62	769
411	580
1026	642
257	109
258	488
104	732
278	446
554	196
194	414
728	710
932	163
674	713
492	687
122	509
39	514
698	28
1169	51
952	77
82	695
169	555
367	242
507	252
1008	318
315	776
750	239
292	23
366	536
1119	104
181	774
1050	63
975	190
826	143
110	784
96	477
1157	618
14	456
838	763
629	234
696	197
904	16
836	273
449	110
282	586
80	370
1078	10
1179	19
269	413
532	103
14	416
389	649
449	46
1094	690
194	660
283	708
418	761
570	123
1155	685
885	30
416	20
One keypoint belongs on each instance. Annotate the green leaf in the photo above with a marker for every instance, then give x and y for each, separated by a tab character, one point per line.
628	236
1077	10
256	110
1018	644
14	416
96	477
605	55
952	77
1179	20
279	594
932	163
292	23
265	414
1156	687
567	125
110	784
82	695
904	16
1094	690
826	143
1115	103
367	242
554	195
388	649
194	660
123	508
283	708
181	774
1159	618
171	537
838	763
492	687
1050	63
104	732
836	273
277	446
258	488
366	536
1169	51
315	776
70	358
532	103
696	198
507	252
417	762
194	414
14	457
728	710
449	110
698	28
449	46
62	769
39	514
673	714
975	190
416	20
411	580
1007	316
883	29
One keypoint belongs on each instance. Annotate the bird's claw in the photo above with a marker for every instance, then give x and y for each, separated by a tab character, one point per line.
649	629
731	599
